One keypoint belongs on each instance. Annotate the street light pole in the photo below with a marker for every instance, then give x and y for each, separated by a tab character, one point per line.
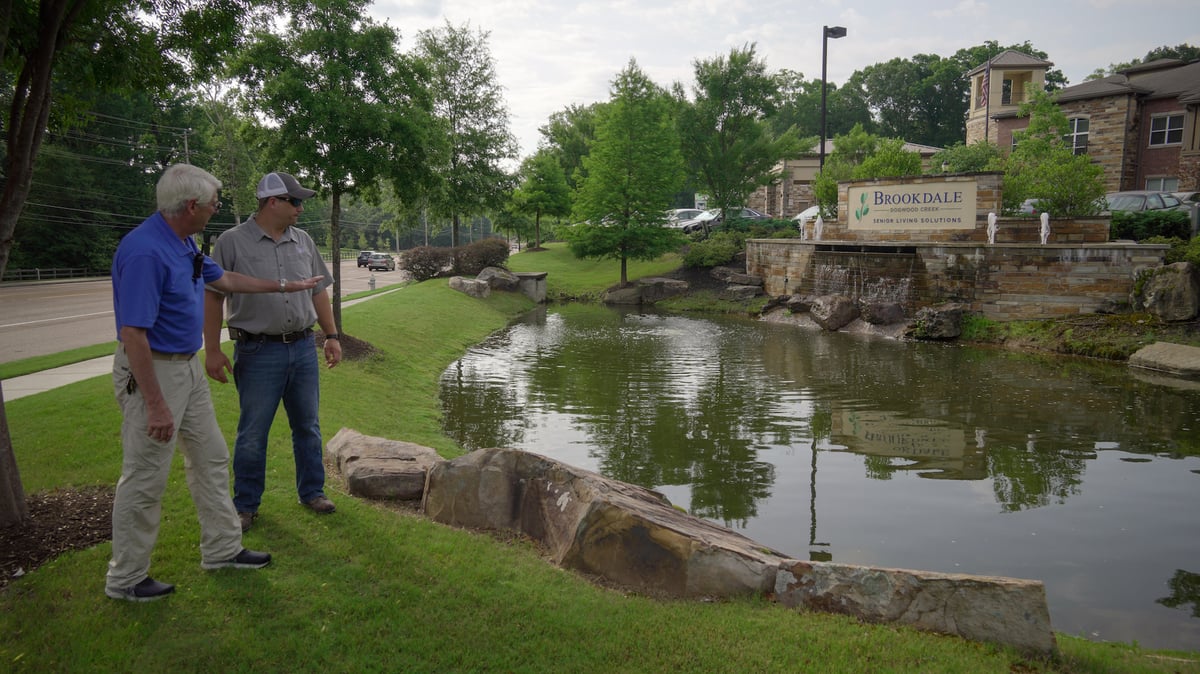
826	32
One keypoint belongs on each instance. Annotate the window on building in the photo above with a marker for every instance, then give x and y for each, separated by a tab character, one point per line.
1166	130
1163	184
1006	94
1077	136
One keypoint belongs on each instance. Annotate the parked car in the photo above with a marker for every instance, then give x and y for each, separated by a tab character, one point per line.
381	262
677	216
713	217
1188	198
363	256
1144	200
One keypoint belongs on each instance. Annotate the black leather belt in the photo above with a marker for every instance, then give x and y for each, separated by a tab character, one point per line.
286	338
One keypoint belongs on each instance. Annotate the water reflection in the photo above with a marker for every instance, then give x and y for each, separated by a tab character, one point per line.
870	451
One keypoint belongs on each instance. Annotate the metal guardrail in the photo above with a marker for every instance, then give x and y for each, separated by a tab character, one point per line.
48	274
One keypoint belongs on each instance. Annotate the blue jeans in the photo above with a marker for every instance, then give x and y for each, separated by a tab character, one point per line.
267	373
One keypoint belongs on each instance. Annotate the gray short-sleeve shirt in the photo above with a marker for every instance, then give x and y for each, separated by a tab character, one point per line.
247	249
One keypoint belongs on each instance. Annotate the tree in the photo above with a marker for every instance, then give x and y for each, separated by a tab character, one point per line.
963	158
921	100
632	170
59	54
348	108
1183	52
543	190
569	135
798	106
727	141
1042	166
469	106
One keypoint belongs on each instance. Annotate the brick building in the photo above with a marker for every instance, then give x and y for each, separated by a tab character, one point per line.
1140	124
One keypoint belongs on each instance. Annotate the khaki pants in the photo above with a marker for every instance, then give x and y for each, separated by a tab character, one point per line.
137	506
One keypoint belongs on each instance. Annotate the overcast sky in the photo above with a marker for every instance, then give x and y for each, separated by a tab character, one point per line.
550	53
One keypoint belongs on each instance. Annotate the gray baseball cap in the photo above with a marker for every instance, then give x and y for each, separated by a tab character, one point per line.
278	184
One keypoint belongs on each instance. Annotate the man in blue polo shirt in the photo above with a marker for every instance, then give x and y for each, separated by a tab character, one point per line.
158	278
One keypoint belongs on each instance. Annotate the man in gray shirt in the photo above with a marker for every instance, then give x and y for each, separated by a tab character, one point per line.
275	357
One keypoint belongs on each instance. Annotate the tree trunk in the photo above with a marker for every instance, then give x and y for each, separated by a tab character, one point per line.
28	112
335	245
12	497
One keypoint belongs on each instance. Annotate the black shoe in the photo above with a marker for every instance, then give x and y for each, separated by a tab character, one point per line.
147	590
246	559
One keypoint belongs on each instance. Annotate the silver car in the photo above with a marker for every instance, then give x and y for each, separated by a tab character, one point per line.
381	262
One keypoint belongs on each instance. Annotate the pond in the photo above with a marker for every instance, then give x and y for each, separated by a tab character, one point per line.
866	450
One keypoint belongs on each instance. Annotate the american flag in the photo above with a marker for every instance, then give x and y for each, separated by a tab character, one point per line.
983	87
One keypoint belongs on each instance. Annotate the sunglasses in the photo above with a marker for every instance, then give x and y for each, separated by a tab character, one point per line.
197	266
296	203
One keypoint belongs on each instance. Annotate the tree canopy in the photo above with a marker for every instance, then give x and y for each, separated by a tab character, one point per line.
472	117
727	143
632	171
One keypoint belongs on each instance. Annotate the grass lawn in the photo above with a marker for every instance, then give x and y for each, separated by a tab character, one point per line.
374	589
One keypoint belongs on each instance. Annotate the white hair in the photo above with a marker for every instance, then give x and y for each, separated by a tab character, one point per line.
182	183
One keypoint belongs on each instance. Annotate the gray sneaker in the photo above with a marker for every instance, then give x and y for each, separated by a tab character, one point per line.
147	590
246	559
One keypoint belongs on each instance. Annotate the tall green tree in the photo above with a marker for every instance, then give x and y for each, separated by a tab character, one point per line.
632	171
469	106
922	99
569	134
543	191
1042	166
56	56
727	141
798	106
347	107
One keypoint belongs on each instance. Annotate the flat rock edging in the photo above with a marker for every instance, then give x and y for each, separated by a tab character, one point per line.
635	538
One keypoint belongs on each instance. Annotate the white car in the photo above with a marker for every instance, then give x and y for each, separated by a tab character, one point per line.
676	216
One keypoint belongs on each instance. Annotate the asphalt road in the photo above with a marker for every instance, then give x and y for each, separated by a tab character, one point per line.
47	317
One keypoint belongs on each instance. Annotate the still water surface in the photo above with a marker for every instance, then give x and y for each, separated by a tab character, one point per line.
865	450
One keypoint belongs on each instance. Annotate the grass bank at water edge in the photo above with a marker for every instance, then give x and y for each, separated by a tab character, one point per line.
371	589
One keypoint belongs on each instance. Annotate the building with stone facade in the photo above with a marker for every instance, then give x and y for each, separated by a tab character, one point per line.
1140	125
793	192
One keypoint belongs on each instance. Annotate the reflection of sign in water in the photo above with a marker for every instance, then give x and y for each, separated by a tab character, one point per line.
928	443
883	434
935	205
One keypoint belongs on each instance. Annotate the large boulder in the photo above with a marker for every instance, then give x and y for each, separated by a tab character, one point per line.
983	608
499	279
740	293
833	312
882	313
645	291
379	468
943	321
1179	360
1171	292
470	286
624	533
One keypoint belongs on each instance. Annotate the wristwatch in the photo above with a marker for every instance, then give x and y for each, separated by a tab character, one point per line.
333	335
282	286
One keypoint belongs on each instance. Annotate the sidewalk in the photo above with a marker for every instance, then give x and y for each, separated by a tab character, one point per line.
38	382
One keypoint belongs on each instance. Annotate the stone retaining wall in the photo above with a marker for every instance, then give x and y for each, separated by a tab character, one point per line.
1005	281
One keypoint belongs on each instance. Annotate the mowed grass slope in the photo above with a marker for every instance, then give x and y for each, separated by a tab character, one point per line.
371	589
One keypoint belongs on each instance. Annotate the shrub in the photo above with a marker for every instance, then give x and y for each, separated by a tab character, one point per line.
719	249
1181	250
425	262
478	255
1142	225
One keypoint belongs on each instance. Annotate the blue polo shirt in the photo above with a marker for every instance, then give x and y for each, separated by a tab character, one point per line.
153	286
